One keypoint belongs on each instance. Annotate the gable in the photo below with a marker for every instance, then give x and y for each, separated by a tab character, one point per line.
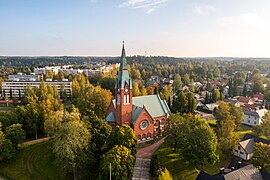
153	103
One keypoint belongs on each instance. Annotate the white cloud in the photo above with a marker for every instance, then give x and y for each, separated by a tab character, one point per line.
148	5
253	19
203	9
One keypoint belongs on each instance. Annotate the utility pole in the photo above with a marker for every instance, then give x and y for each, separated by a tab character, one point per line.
110	171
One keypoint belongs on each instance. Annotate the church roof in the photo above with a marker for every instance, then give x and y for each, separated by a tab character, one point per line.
110	117
123	76
153	104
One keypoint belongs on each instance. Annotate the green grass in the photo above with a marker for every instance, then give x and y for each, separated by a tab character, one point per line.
240	131
171	160
179	168
34	162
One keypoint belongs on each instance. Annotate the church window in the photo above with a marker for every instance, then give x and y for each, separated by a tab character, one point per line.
143	136
148	135
125	99
128	99
139	137
144	125
162	122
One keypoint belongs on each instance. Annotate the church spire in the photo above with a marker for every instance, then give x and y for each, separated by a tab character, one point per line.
123	65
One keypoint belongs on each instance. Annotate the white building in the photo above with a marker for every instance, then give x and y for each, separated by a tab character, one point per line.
245	148
16	89
253	118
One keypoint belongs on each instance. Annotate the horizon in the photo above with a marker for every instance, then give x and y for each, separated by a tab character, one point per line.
168	28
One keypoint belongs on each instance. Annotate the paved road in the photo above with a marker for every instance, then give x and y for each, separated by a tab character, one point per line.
143	159
148	151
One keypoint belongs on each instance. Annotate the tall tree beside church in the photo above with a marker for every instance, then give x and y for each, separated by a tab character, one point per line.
166	92
177	83
182	101
135	89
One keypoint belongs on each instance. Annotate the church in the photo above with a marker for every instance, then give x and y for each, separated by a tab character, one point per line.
147	115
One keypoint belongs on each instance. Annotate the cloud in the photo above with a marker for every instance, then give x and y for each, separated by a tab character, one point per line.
203	9
148	5
253	19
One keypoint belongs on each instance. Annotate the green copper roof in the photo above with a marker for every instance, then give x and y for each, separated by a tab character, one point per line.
136	111
123	64
153	104
110	117
123	76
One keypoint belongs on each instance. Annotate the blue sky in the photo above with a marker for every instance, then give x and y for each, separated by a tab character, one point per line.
160	27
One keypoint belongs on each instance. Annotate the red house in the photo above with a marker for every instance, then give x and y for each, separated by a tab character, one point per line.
147	115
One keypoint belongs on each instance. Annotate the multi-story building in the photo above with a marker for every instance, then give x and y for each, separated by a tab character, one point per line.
16	85
254	118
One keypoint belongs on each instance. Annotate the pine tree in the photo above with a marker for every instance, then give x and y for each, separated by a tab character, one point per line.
244	93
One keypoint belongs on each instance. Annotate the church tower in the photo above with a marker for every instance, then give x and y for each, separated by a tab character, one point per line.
123	93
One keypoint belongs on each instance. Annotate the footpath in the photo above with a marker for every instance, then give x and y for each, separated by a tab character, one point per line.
143	159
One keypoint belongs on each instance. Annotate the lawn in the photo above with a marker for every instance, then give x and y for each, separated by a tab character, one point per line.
34	162
171	160
179	168
241	131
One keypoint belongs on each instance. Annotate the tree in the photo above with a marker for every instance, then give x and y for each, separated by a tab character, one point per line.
100	131
264	128
70	144
165	175
135	89
267	96
166	92
192	86
209	86
7	150
236	91
260	158
192	103
53	123
196	140
121	162
258	87
177	83
245	90
186	79
2	136
15	134
180	103
123	135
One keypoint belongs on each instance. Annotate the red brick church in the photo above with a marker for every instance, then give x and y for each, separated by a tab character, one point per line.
147	115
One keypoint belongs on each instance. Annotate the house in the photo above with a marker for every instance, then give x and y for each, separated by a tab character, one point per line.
245	100
258	97
197	85
253	118
250	107
233	101
245	148
147	115
243	173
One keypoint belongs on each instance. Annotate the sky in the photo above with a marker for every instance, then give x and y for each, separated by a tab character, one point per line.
179	28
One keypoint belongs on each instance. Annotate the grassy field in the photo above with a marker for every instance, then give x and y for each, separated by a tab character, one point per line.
240	131
179	168
34	162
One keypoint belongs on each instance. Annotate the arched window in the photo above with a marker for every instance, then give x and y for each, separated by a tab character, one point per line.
148	135
143	136
139	137
162	122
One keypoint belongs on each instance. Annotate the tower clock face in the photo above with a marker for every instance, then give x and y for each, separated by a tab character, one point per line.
126	90
144	125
